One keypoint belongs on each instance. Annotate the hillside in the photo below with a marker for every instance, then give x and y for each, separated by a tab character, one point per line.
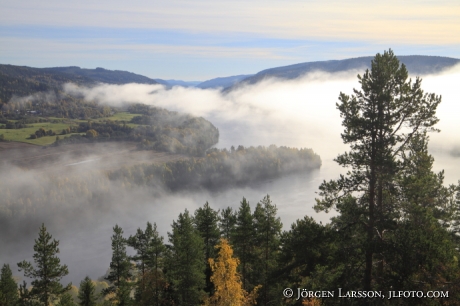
105	76
23	81
223	82
415	64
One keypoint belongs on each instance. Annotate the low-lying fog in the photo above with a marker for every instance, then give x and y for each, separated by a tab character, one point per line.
299	113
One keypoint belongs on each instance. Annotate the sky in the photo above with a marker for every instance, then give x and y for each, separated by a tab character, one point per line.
203	39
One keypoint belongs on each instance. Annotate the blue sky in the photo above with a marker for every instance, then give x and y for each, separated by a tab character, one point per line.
199	40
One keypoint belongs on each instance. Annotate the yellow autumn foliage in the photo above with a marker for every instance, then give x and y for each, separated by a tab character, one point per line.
227	282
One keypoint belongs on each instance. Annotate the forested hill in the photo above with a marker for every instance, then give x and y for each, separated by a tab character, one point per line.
23	81
415	64
105	76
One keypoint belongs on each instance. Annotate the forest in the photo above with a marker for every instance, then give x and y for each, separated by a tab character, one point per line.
395	228
219	169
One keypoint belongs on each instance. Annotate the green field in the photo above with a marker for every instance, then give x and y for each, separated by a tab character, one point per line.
122	116
22	135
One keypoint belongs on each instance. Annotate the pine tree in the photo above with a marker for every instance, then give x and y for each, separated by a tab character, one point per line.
8	287
25	297
206	222
46	286
227	223
66	300
120	266
140	242
87	293
268	232
227	282
379	121
244	241
150	257
303	248
187	267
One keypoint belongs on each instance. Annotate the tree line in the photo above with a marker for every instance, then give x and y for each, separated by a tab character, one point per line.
184	271
222	168
219	169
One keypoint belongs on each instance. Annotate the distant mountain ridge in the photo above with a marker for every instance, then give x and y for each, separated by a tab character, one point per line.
23	80
104	75
223	82
171	83
415	64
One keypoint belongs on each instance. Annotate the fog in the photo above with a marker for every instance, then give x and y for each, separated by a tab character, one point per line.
297	113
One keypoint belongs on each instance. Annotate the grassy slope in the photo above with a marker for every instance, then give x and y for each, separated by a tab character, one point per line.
22	135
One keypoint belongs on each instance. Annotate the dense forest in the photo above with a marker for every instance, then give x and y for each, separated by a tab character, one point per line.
393	240
219	169
222	168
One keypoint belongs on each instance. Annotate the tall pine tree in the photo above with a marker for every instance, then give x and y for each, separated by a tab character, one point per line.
379	121
206	222
120	267
244	241
268	231
49	271
227	223
150	263
187	267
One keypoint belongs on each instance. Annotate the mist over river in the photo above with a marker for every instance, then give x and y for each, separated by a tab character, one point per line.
296	113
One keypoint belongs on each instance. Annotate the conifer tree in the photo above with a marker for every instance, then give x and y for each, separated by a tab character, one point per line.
8	287
46	284
206	222
227	223
244	241
268	231
87	293
25	297
187	267
379	121
120	266
140	242
66	300
150	257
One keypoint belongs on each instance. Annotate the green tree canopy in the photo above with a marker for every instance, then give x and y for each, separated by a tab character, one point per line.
49	271
87	293
187	265
380	120
8	287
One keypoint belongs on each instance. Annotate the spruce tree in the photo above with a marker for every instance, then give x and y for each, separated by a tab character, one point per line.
187	267
87	293
46	284
8	287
